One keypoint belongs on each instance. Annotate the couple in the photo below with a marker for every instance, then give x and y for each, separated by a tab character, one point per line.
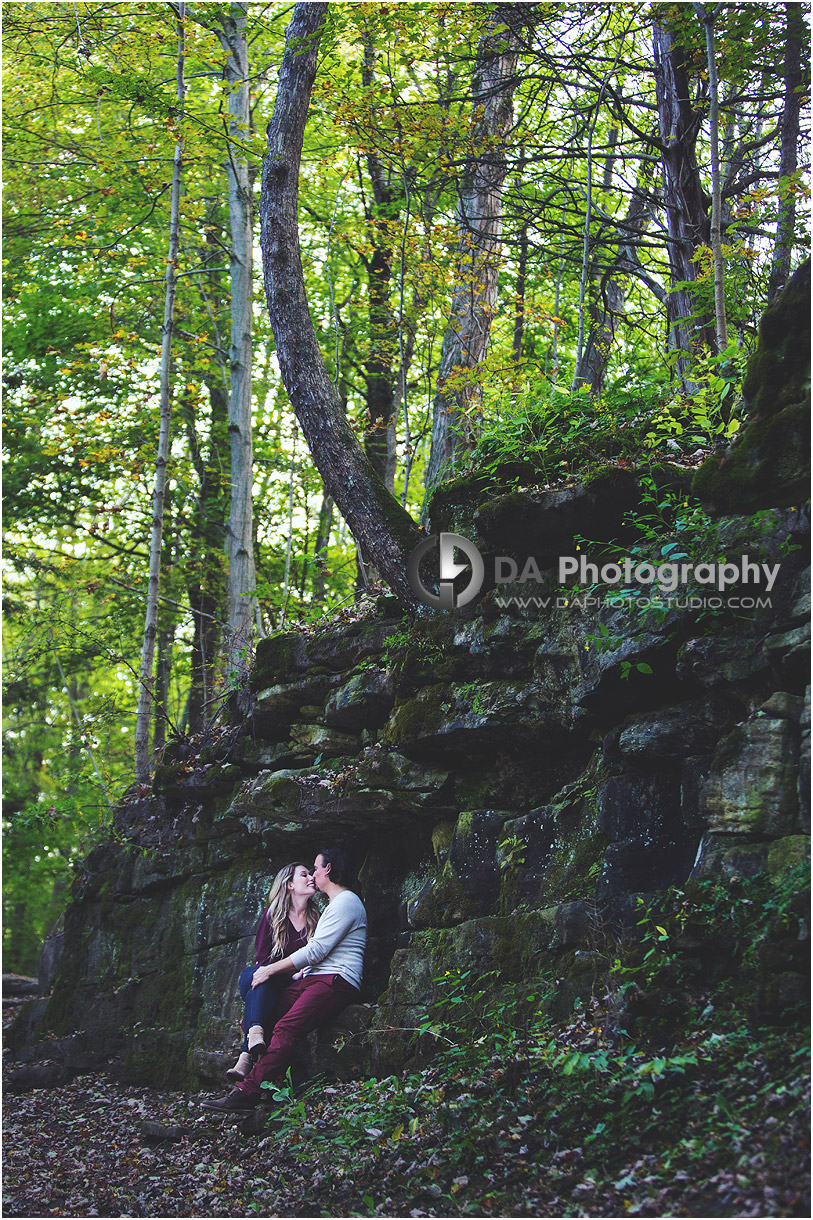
324	959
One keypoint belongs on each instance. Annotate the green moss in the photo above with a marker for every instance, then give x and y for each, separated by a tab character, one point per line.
779	371
768	467
167	776
441	838
784	853
398	519
415	718
275	659
513	502
601	477
443	902
464	490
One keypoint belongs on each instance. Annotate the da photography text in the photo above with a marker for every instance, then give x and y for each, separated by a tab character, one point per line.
662	579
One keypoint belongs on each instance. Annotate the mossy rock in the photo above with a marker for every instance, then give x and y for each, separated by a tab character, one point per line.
752	789
544	523
277	657
468	882
364	702
779	371
558	851
278	706
451	505
784	853
342	649
768	464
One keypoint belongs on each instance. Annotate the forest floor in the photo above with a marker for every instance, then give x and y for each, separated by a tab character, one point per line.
489	1143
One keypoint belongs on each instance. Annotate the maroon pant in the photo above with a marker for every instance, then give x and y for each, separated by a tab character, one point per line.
304	1005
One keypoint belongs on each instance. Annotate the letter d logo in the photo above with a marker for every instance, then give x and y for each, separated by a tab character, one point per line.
445	598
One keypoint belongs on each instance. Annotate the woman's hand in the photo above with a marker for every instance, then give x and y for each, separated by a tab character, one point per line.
261	975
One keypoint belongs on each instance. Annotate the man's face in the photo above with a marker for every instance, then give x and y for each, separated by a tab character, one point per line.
321	874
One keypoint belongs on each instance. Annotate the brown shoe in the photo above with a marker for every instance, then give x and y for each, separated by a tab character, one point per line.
235	1102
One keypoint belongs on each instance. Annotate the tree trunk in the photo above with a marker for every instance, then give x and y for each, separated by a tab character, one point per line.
320	549
519	296
380	437
385	531
687	220
794	86
163	673
146	691
474	295
707	16
205	586
240	528
608	292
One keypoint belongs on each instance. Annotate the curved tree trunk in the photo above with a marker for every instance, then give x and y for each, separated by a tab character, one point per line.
474	296
385	531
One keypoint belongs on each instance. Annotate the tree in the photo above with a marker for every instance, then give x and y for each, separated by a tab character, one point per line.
684	200
707	16
385	531
146	694
240	529
794	84
379	441
474	294
609	281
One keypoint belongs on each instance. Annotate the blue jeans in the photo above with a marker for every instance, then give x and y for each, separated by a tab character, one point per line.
258	1002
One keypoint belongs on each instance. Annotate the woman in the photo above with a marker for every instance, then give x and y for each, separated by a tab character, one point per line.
287	924
328	969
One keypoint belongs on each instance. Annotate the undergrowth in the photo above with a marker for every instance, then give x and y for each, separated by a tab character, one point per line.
695	1105
643	412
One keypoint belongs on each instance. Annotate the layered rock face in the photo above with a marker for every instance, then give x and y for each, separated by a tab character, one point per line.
507	778
511	776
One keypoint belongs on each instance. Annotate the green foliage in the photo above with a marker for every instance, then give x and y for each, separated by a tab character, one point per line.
739	912
472	696
517	1106
412	642
90	129
511	852
559	433
291	1107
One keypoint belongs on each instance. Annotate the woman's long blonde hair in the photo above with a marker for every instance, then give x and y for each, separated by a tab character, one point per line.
279	904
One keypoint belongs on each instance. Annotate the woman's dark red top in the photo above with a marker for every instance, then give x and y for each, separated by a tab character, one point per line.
264	940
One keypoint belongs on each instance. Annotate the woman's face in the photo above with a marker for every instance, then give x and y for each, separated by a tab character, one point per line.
301	884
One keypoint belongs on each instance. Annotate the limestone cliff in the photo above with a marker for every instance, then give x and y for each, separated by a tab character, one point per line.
509	779
511	776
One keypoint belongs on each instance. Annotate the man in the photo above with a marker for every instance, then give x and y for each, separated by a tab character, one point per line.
331	964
